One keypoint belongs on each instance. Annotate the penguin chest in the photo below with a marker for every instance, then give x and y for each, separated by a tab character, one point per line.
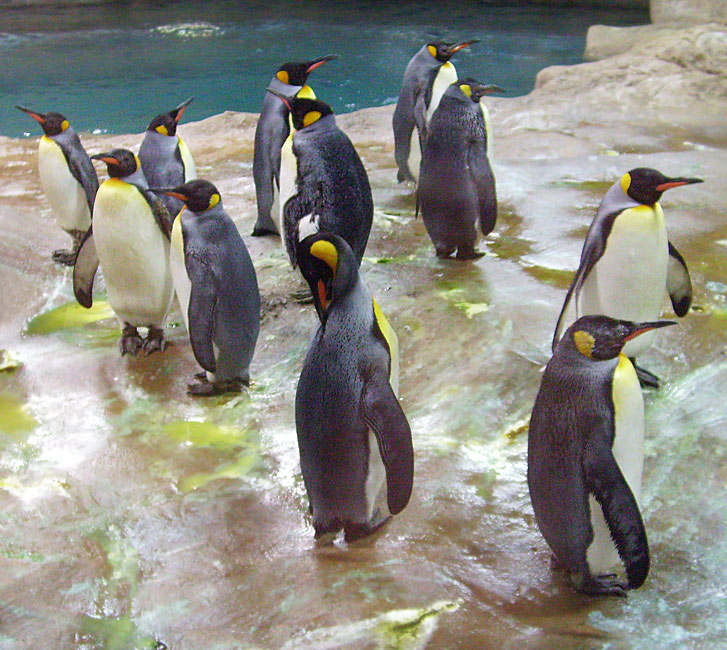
190	170
288	178
178	269
133	253
488	129
446	76
628	450
64	193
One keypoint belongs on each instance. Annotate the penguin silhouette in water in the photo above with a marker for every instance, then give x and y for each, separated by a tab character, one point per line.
165	158
627	262
129	237
272	129
323	183
456	190
354	439
216	287
67	177
585	456
427	76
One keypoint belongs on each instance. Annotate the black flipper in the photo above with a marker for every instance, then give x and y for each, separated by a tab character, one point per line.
484	182
202	303
163	218
84	270
678	282
383	413
81	168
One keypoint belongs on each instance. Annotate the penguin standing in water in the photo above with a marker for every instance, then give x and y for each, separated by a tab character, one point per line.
272	129
323	183
585	456
165	158
457	187
216	287
130	239
628	262
67	177
426	78
353	437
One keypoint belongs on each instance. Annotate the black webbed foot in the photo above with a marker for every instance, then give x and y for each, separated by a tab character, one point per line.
66	258
355	532
468	253
130	341
154	341
605	585
205	388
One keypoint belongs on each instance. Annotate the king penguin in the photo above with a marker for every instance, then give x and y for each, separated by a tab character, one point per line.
216	287
427	76
354	440
627	262
457	187
129	237
585	456
323	183
272	129
165	158
67	177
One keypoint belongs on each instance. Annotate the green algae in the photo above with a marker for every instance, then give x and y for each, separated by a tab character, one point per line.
206	434
8	362
558	278
14	417
69	316
237	469
408	629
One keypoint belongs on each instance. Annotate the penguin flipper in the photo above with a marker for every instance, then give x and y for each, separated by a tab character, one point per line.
84	270
484	182
620	510
295	209
81	167
382	412
161	214
202	305
678	282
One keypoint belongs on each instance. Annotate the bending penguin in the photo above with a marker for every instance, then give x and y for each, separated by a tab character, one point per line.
67	177
323	183
130	239
628	262
216	287
354	440
427	76
585	456
165	158
456	190
272	129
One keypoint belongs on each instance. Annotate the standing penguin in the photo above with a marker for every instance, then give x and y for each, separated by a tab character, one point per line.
353	437
586	453
130	239
456	186
272	129
628	262
67	177
427	76
323	183
165	158
216	287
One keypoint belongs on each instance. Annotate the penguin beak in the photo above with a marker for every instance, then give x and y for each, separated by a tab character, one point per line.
107	158
490	89
641	328
677	182
317	63
177	112
282	98
36	116
461	46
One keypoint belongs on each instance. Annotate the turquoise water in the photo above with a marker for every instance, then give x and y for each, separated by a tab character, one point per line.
112	68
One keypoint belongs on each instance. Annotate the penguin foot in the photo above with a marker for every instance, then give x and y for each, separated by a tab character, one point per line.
327	533
605	585
444	253
354	532
646	379
204	388
66	258
264	232
130	341
154	341
468	254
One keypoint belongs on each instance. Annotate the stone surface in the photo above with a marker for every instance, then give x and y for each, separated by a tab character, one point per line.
603	41
687	12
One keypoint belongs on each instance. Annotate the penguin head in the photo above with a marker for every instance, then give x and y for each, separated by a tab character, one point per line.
306	111
475	90
51	123
330	268
646	185
120	163
198	195
443	52
296	73
166	123
602	337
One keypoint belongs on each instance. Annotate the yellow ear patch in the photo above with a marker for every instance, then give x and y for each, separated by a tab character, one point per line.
327	252
310	117
626	182
137	161
306	92
214	200
466	89
282	75
584	342
64	125
162	129
432	50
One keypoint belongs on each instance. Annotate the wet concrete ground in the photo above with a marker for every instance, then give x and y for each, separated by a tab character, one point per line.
133	515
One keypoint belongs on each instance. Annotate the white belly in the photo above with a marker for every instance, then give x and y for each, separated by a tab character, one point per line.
64	193
178	269
133	254
446	76
415	155
628	450
190	170
288	178
629	281
375	479
488	130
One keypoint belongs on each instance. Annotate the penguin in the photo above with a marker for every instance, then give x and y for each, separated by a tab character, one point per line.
129	237
354	440
627	261
216	287
585	456
323	183
272	129
456	186
427	76
165	158
67	177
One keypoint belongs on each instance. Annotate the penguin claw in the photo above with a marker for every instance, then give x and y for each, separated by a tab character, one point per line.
206	388
603	585
355	532
264	232
66	258
130	341
154	341
469	254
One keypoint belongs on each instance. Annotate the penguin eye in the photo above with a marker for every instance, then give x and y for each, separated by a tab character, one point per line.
283	76
584	343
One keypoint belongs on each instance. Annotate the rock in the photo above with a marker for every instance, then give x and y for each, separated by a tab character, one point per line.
688	12
603	41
